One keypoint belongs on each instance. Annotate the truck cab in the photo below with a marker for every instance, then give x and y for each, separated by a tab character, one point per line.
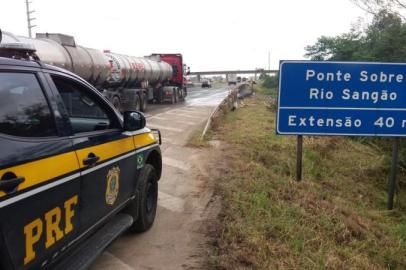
175	89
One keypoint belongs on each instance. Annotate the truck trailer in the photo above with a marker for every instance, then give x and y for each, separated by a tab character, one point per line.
128	82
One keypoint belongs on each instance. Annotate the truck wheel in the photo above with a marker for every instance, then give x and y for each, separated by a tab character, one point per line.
173	100
148	200
182	94
176	95
137	103
144	102
160	95
116	103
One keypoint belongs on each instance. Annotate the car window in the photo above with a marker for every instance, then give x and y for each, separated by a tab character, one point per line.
24	110
85	112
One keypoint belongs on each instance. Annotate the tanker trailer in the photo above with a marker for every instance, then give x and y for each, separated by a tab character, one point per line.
149	76
128	82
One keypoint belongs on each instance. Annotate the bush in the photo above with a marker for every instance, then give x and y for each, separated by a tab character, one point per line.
271	81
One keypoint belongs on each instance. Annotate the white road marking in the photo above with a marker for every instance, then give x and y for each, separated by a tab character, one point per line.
175	163
166	140
165	127
181	111
109	261
187	116
170	202
158	117
212	100
173	120
191	123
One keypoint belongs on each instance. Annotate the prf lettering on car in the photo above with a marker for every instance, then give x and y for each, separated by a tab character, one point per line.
49	225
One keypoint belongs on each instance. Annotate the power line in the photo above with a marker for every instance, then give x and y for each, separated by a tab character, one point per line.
29	19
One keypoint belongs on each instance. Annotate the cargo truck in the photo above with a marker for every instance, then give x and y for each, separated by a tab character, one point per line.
128	82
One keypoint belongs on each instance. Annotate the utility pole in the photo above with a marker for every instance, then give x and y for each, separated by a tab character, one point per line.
269	60
29	19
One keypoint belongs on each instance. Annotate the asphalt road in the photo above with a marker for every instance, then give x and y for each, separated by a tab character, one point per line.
176	239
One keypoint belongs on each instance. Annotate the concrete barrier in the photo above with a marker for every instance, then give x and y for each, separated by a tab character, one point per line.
245	90
229	103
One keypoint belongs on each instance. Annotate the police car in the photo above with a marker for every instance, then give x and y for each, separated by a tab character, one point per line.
74	173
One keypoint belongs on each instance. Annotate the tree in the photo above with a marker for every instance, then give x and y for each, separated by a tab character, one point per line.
384	39
375	6
344	47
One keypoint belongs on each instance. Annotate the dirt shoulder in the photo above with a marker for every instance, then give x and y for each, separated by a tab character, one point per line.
334	219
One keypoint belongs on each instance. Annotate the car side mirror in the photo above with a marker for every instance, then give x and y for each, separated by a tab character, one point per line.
133	120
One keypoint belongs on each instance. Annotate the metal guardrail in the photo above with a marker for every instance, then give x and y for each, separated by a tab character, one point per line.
229	103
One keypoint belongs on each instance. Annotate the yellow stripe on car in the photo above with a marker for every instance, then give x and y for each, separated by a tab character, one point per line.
107	150
43	170
143	140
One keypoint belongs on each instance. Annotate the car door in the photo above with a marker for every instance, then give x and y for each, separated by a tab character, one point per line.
39	174
105	153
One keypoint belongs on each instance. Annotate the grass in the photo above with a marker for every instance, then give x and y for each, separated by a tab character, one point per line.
259	88
336	218
195	139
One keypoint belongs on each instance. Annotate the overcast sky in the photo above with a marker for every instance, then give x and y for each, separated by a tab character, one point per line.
211	34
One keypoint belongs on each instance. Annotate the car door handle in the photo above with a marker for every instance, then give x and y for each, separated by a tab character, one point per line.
9	185
90	160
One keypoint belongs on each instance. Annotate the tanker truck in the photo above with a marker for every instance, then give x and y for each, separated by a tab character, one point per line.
129	82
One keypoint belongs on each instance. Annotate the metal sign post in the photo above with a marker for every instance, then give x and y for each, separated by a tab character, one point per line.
393	171
299	157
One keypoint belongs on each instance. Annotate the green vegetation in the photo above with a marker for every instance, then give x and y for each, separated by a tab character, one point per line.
336	218
268	85
384	39
375	6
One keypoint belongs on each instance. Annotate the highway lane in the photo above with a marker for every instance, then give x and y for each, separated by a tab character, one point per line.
175	240
197	97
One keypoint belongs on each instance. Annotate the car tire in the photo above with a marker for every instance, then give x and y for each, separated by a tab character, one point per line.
148	200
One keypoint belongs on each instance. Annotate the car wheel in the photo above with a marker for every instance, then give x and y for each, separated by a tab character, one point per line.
148	200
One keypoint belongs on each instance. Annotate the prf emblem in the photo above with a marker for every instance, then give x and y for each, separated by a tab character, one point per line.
140	160
113	185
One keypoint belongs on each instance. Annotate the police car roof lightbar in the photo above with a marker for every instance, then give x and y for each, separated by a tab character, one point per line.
18	46
18	50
